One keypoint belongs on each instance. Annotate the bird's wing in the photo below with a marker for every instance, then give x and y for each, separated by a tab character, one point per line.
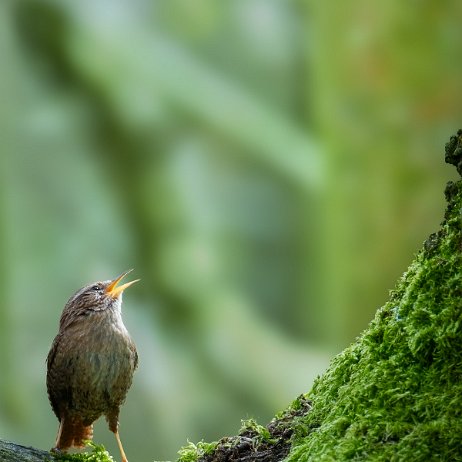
56	377
52	353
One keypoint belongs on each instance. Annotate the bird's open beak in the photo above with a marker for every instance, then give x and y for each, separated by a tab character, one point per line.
113	291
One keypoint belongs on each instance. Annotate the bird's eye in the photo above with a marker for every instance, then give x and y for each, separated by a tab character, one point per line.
96	288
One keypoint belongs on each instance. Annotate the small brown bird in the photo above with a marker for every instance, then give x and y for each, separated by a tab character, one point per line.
90	364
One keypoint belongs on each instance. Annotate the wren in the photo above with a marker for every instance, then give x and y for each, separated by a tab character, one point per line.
91	363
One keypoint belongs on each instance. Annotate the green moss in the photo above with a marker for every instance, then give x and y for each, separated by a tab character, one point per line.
193	452
98	454
260	433
396	393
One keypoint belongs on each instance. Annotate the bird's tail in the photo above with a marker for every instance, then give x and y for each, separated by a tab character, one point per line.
73	433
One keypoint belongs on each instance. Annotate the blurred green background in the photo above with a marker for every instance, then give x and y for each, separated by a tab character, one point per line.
268	167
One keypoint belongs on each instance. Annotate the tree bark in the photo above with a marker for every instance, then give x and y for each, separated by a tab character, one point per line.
12	452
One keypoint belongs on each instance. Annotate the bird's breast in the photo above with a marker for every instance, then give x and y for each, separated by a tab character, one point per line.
102	355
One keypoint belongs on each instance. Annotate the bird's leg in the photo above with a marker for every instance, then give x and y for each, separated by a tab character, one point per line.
112	418
121	449
58	436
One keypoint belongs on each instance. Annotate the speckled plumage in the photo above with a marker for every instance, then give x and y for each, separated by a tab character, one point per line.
90	364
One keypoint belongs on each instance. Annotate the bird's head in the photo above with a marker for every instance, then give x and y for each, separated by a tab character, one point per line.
97	296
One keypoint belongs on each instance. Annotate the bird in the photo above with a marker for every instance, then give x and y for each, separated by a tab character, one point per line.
90	364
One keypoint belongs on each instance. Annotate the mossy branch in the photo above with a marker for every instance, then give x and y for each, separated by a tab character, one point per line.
13	452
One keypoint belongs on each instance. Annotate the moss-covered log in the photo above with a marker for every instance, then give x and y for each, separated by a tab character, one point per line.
396	393
13	452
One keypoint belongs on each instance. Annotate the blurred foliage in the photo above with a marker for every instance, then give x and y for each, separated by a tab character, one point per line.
267	167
